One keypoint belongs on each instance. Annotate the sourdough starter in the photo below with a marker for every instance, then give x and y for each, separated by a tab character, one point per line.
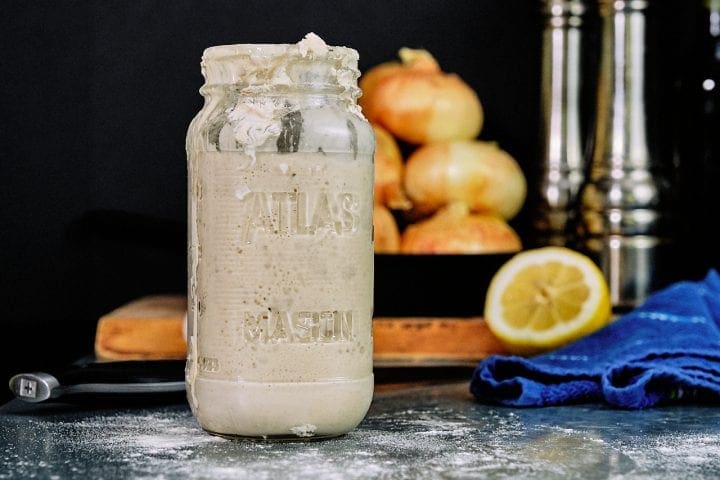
281	253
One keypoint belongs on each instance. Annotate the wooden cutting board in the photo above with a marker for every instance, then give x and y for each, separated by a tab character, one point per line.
153	328
149	328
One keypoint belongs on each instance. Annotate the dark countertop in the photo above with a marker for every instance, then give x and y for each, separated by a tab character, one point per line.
434	431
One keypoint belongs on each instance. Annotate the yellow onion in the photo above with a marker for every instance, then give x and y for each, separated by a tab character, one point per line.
418	102
369	80
389	169
386	233
478	173
454	230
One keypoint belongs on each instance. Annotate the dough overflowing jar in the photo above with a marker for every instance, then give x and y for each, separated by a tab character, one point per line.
280	264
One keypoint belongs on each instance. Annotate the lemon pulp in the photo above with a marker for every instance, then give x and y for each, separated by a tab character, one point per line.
546	297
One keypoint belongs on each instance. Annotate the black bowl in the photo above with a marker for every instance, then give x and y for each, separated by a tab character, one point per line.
433	285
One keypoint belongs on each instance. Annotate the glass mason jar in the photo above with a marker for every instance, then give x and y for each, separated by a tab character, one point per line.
280	280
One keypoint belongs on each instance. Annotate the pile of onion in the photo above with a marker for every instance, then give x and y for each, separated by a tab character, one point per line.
418	102
454	193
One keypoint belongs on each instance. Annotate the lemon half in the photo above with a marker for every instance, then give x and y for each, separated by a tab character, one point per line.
546	297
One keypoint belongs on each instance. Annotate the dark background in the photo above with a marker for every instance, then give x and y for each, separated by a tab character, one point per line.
96	97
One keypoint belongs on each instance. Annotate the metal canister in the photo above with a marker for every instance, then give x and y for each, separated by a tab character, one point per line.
625	220
562	161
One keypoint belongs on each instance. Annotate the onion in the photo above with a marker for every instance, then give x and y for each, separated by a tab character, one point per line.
386	234
369	81
389	169
419	103
478	173
454	230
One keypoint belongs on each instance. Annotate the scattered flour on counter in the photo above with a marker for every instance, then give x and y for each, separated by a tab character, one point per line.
429	441
675	452
147	435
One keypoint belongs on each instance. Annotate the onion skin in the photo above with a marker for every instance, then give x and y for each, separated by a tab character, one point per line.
478	173
419	103
369	81
454	230
386	233
389	171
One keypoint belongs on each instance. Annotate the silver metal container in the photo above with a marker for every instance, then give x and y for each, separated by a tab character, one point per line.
562	162
624	213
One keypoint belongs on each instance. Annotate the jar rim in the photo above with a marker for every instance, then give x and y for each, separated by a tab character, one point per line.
311	46
309	63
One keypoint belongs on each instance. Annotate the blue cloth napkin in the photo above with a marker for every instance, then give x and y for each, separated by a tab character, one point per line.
665	351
